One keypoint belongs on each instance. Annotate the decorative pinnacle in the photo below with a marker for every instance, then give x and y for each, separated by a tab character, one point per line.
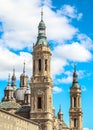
60	109
42	14
24	68
75	75
13	71
74	67
9	79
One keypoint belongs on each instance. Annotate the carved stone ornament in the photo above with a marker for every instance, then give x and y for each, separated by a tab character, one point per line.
40	92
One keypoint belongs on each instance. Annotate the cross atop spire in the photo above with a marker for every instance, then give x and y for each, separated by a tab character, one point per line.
75	75
41	14
60	109
74	67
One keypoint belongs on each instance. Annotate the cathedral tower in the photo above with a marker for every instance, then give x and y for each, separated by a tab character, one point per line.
75	104
41	82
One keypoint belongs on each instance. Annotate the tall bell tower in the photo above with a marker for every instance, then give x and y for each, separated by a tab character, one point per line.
41	82
75	104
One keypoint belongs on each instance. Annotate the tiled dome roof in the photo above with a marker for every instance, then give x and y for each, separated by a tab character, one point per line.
9	104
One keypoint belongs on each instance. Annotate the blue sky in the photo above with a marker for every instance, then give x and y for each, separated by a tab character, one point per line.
70	34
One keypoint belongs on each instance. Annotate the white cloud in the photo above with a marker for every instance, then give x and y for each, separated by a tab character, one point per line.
57	66
72	52
62	54
59	28
67	78
57	90
79	16
70	11
9	59
20	26
47	2
86	41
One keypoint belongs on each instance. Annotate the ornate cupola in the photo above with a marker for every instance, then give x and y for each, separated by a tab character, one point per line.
41	39
13	83
75	78
8	92
24	78
75	103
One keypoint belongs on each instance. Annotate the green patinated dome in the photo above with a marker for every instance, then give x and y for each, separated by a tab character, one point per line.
8	88
9	105
75	78
24	108
75	85
41	25
42	41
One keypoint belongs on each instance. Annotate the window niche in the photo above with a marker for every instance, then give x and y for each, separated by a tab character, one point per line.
75	122
45	64
74	101
39	103
39	64
34	65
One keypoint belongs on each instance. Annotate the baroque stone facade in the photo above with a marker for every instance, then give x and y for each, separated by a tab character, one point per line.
34	104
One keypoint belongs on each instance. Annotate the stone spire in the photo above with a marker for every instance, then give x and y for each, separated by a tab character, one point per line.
42	14
24	69
60	109
13	84
24	78
8	84
60	115
75	78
